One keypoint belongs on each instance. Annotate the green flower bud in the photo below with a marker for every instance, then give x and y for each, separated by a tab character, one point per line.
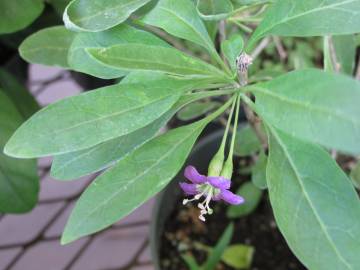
216	164
227	169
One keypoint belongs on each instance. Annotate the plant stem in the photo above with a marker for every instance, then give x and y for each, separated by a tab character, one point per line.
223	142
231	152
242	66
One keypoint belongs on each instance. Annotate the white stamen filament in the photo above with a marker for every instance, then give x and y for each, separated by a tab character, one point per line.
204	206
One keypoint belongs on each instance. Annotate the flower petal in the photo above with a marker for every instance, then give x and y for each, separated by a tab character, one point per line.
219	182
194	176
231	198
189	189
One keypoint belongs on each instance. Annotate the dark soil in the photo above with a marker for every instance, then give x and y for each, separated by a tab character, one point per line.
185	233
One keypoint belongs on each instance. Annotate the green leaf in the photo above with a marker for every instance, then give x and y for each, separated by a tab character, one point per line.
345	48
214	10
309	18
232	49
138	57
246	142
24	102
99	15
76	164
179	18
133	180
239	256
18	14
218	251
48	46
196	109
83	121
80	60
252	196
19	184
258	172
315	204
355	175
190	262
327	103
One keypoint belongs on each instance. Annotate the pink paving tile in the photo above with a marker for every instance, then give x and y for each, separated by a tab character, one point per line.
144	267
21	229
112	248
145	256
45	162
52	189
143	213
58	225
49	256
7	256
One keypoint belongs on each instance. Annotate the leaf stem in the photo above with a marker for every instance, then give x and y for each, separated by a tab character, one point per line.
231	152
223	142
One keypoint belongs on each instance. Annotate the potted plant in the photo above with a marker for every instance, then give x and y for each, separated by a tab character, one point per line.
298	117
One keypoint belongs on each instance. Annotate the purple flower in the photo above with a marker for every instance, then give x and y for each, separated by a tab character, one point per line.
209	187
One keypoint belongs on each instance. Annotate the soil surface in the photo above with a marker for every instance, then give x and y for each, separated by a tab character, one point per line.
186	234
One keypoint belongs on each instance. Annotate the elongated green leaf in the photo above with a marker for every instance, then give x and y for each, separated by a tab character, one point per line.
218	251
355	175
137	57
252	196
315	204
17	14
99	15
19	184
191	262
239	256
345	48
214	10
133	180
232	48
81	61
258	172
314	105
196	109
309	18
49	47
76	164
246	142
24	102
86	120
180	19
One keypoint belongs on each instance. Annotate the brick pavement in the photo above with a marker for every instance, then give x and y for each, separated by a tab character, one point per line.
31	241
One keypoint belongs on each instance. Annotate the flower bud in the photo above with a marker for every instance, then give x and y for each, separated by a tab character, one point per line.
216	164
227	170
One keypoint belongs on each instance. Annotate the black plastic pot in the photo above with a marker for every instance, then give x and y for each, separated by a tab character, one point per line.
165	203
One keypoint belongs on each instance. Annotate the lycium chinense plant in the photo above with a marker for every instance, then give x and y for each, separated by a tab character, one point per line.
299	116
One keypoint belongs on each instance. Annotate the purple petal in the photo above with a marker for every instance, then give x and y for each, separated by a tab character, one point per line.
219	182
194	176
189	189
231	198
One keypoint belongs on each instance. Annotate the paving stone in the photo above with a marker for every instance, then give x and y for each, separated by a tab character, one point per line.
45	162
144	267
112	249
58	225
145	256
49	256
55	91
7	256
21	229
52	189
143	213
